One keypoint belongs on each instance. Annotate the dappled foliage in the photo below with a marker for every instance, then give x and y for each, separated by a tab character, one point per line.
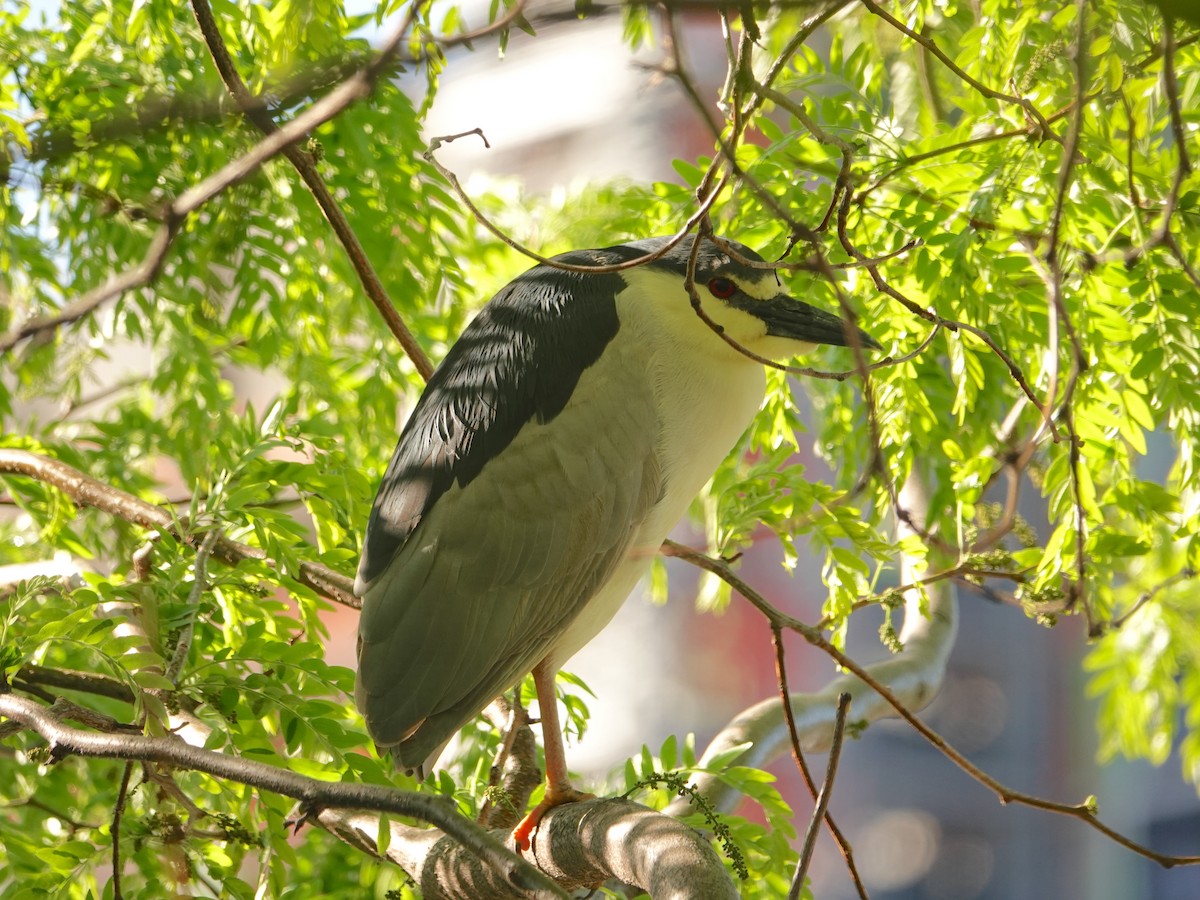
1015	223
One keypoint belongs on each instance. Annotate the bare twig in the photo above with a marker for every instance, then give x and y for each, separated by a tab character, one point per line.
819	813
507	239
1085	812
1163	235
806	30
883	257
307	167
802	765
1185	574
199	586
66	818
928	44
118	811
672	66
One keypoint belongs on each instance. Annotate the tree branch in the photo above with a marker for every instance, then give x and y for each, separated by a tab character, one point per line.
928	43
307	167
141	274
314	795
510	241
897	686
819	812
183	645
913	676
87	491
802	765
580	844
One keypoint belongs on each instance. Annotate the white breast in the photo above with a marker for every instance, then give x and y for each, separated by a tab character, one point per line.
706	394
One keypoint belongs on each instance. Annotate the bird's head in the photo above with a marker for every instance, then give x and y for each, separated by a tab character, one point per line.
746	302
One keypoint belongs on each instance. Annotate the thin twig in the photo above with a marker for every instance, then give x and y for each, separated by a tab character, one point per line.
672	66
1146	596
1029	130
803	33
356	87
306	165
1162	235
74	825
199	585
154	112
932	47
819	813
118	811
1085	812
507	239
785	695
1058	315
883	257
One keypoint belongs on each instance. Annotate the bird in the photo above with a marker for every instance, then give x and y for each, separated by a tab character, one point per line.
562	437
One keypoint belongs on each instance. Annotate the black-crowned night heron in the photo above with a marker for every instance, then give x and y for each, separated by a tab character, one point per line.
563	436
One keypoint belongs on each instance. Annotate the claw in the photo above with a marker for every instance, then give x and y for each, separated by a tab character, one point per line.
556	795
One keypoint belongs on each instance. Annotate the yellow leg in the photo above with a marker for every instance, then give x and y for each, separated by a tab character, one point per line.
558	784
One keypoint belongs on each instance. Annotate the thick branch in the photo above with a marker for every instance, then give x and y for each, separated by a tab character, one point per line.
578	845
581	844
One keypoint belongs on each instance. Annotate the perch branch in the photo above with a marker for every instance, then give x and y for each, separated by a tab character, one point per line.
579	845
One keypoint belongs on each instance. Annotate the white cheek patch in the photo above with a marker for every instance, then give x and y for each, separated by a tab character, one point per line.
656	302
740	324
764	288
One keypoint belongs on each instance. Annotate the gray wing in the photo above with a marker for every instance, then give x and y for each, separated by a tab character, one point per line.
500	517
518	361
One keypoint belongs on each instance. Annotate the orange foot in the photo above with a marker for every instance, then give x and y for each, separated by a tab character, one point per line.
555	796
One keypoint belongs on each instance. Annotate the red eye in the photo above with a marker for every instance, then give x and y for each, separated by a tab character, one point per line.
722	288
